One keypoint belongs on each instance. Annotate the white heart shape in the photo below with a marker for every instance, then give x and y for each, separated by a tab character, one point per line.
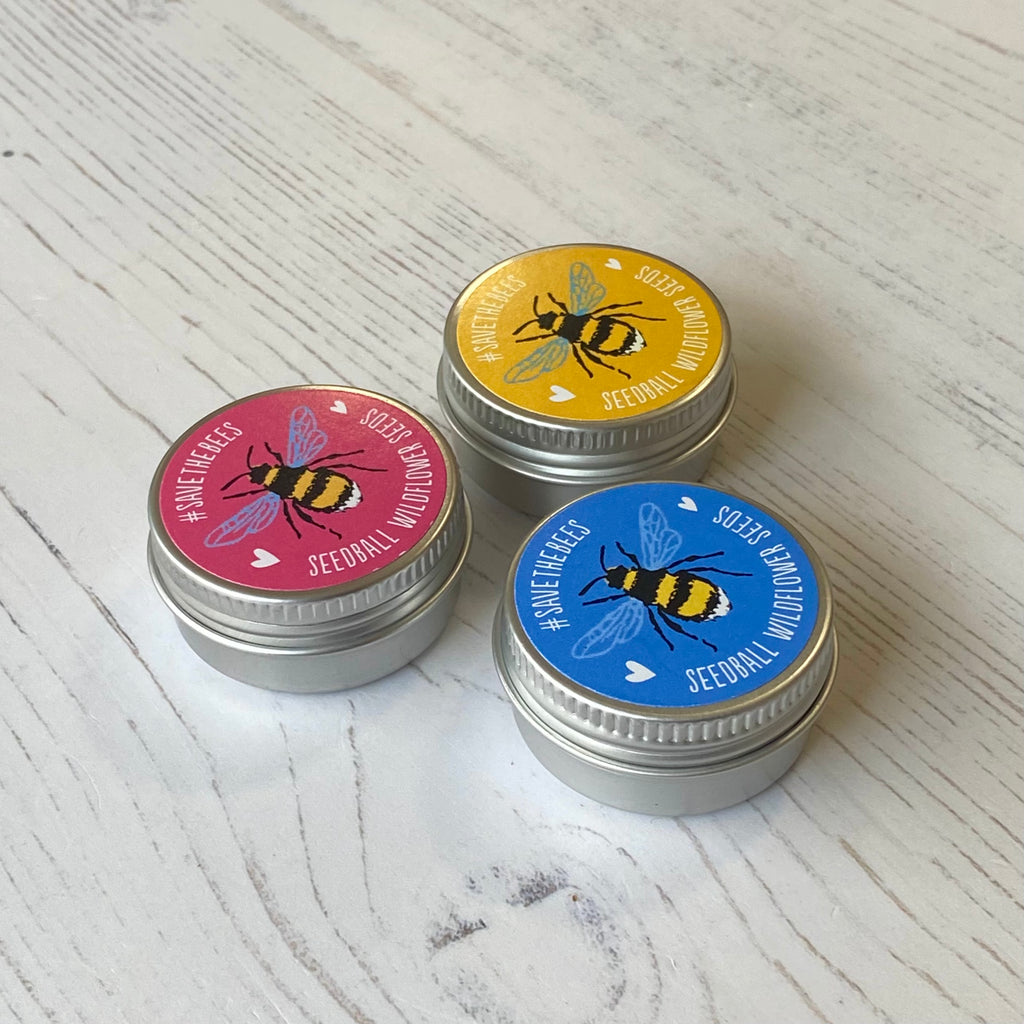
638	673
560	394
263	558
339	406
687	504
613	263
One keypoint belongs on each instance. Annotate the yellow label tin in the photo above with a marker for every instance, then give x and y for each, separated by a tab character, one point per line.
589	332
581	366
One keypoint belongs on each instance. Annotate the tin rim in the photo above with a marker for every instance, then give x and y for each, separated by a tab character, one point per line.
201	589
388	621
642	734
596	473
500	422
682	771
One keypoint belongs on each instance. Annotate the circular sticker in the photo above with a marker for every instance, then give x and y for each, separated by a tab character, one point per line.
667	595
589	332
302	488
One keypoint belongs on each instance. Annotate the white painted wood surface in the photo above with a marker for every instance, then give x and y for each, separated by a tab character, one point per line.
199	200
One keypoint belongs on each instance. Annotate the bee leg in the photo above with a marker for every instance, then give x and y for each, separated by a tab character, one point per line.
343	465
276	455
336	455
288	516
307	518
601	600
693	558
600	362
619	317
615	305
623	305
679	629
630	556
576	353
351	465
246	494
535	337
561	305
654	623
724	572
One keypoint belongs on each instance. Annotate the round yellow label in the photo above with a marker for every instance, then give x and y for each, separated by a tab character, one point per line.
589	332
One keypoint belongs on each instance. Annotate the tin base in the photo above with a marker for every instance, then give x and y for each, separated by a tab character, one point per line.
325	671
539	490
668	791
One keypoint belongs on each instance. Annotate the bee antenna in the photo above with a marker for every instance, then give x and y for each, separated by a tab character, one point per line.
234	480
596	579
248	462
522	327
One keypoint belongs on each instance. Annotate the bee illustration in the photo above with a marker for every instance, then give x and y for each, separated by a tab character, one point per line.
668	593
584	327
301	483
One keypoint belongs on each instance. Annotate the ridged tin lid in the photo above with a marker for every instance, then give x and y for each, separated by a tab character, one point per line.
598	350
665	624
288	514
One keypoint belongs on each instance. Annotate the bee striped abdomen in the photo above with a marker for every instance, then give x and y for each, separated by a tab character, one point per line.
322	490
679	594
330	491
303	483
698	600
645	584
602	334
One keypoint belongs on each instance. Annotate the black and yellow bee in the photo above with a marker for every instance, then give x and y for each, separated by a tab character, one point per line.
296	484
667	593
583	327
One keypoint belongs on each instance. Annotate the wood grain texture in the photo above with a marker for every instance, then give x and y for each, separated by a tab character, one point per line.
202	200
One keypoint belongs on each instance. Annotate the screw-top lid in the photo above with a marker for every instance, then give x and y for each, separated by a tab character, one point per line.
665	624
290	513
597	350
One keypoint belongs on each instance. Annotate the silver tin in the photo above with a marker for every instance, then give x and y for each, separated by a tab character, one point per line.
653	744
306	637
652	410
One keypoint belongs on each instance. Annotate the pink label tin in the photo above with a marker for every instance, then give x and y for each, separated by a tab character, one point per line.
309	538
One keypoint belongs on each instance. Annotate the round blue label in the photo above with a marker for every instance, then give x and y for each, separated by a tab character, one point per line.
666	594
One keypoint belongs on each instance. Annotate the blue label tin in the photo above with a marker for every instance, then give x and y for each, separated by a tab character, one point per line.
670	627
666	594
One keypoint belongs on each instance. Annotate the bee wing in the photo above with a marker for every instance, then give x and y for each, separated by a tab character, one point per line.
617	627
305	439
585	291
658	541
255	516
541	360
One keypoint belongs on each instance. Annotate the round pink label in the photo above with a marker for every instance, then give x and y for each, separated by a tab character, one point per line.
302	488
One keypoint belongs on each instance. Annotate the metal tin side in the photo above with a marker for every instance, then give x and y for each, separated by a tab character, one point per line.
668	791
323	667
526	483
